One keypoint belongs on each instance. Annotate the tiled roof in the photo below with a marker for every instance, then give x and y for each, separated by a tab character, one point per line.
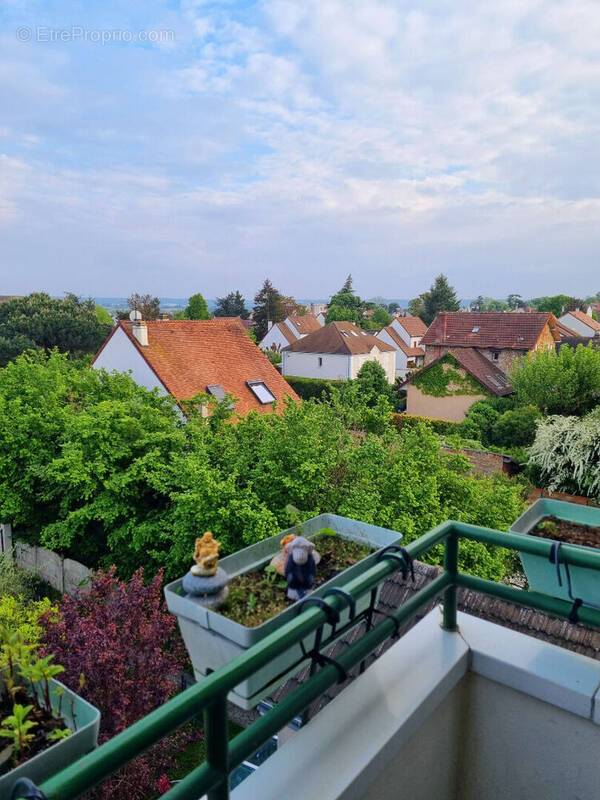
582	317
411	352
187	356
306	324
566	332
395	592
478	366
287	332
414	326
343	338
493	329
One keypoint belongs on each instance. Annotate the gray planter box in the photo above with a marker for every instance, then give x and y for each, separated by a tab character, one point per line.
212	640
541	574
64	752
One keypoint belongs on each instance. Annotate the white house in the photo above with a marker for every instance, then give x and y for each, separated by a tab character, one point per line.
337	352
280	334
410	329
407	357
581	323
186	357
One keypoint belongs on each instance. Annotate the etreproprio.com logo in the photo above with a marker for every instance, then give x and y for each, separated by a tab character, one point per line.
77	33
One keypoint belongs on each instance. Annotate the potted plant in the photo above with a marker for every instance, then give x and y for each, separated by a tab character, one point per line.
564	522
44	726
213	638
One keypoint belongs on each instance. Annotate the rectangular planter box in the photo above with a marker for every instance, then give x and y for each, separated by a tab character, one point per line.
212	640
541	574
64	752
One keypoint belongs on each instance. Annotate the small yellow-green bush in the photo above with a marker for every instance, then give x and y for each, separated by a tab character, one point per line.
22	615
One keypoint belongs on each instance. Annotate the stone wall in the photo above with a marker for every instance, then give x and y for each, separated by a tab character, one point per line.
487	463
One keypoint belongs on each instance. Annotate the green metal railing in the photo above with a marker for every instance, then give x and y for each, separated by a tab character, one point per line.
209	696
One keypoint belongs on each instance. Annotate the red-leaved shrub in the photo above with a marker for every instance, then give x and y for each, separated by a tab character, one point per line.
121	651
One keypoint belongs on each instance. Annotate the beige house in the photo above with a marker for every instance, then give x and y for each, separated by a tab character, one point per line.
336	352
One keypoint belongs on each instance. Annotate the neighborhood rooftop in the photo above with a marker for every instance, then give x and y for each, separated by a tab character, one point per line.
586	319
496	330
409	351
343	338
189	356
478	366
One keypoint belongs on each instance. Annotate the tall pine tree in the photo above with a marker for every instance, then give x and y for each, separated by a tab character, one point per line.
267	308
440	297
233	305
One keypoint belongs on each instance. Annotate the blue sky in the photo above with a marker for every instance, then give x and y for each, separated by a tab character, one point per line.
300	141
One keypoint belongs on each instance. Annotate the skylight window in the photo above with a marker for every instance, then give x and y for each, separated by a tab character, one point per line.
217	391
261	391
475	329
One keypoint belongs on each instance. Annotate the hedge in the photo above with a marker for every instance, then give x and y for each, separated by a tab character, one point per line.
441	426
306	388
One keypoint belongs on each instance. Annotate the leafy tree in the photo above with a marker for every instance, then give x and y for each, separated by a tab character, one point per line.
416	307
103	317
290	307
479	422
516	428
491	304
567	382
267	308
558	304
121	652
197	308
379	319
232	305
391	307
340	313
148	306
440	297
372	383
345	305
566	450
515	301
40	322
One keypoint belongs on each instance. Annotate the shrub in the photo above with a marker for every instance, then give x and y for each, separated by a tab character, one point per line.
309	388
440	426
516	428
24	615
566	451
121	651
15	582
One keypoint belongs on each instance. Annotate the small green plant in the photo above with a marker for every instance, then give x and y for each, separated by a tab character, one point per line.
57	734
327	532
252	603
549	527
271	573
16	727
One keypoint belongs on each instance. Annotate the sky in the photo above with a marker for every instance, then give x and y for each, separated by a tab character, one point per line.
175	147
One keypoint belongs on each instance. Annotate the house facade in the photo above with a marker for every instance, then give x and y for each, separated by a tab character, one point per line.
184	358
280	334
583	324
404	334
470	356
337	352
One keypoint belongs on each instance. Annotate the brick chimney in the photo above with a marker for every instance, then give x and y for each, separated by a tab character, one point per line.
139	328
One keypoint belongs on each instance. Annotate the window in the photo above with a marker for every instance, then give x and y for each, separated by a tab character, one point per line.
475	330
320	360
261	391
495	355
217	391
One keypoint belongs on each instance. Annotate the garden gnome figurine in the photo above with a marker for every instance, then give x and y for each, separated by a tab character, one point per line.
206	580
300	567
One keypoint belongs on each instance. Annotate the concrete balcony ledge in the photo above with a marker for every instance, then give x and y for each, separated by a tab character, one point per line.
486	712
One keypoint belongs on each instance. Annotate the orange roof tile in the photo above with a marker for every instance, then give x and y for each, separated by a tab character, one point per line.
411	352
338	337
414	326
305	324
187	356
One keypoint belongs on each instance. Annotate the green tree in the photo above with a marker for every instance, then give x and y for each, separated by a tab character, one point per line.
345	305
339	313
146	304
103	317
40	322
558	304
267	308
567	382
416	307
232	305
515	301
197	308
440	297
379	319
372	383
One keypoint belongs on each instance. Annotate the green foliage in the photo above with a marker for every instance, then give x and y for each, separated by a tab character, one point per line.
15	582
372	384
488	423
442	427
379	319
479	422
103	317
267	308
443	380
22	615
274	356
558	304
567	382
197	308
100	468
232	305
146	304
566	451
440	297
345	305
308	388
39	322
342	313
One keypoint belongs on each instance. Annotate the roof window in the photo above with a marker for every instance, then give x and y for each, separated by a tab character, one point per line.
261	391
475	329
219	393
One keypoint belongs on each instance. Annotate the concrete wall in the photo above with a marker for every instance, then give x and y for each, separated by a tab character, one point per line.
306	365
63	574
121	355
453	408
387	360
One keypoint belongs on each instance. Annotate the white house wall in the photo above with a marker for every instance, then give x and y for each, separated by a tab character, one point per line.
401	367
395	324
274	340
306	365
121	355
387	360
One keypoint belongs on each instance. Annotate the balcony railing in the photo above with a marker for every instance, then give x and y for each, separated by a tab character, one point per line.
210	695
